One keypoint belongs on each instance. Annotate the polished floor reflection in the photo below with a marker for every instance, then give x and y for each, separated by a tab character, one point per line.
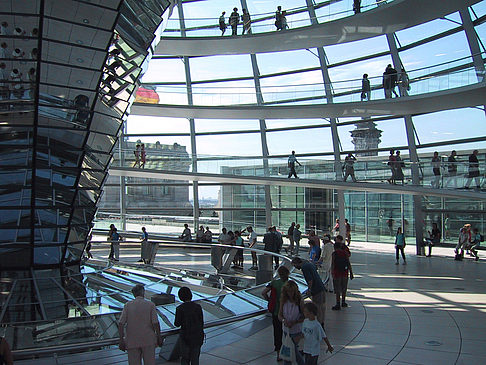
431	311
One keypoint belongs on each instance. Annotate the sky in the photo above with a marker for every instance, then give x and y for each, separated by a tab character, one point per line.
442	126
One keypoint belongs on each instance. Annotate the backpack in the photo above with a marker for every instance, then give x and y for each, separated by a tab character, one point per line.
341	263
481	238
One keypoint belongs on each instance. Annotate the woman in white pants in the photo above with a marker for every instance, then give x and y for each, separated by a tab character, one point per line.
325	262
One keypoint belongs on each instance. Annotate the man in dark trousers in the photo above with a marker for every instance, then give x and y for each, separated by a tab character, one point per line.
234	19
291	164
315	285
290	236
341	269
272	243
189	317
473	172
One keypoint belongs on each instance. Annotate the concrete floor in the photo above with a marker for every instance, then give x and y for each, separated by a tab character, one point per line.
431	311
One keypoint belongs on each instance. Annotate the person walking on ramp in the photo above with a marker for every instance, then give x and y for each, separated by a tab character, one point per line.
291	164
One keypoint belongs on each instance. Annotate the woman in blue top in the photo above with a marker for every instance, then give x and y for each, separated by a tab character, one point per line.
400	245
314	252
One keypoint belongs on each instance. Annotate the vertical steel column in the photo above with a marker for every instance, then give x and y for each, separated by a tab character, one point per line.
263	133
123	188
412	147
34	148
263	137
333	121
192	127
472	40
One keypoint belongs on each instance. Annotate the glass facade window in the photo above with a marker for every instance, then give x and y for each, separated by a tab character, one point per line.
260	148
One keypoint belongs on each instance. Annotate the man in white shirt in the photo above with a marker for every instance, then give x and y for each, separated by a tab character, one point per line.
291	164
325	262
142	333
252	240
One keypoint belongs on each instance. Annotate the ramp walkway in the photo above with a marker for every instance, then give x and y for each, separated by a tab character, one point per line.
460	97
307	183
388	18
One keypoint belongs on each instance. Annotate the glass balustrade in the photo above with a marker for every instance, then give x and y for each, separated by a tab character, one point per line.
94	298
366	169
440	77
326	11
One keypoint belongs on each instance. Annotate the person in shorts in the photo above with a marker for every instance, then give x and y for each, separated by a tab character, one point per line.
313	334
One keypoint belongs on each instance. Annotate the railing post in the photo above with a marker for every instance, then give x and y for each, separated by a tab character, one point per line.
187	70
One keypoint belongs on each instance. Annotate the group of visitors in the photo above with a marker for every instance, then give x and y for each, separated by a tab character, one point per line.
324	260
234	239
336	230
292	318
451	167
280	19
234	20
294	236
396	165
14	85
139	329
204	236
391	79
469	241
148	249
140	156
114	238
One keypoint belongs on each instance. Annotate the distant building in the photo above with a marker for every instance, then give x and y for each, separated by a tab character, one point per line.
150	196
366	137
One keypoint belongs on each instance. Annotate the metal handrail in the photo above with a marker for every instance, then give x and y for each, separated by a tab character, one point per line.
21	354
30	352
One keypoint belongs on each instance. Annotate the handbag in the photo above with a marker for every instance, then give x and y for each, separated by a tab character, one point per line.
287	351
273	300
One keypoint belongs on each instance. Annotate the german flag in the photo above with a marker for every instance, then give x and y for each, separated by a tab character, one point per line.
147	94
